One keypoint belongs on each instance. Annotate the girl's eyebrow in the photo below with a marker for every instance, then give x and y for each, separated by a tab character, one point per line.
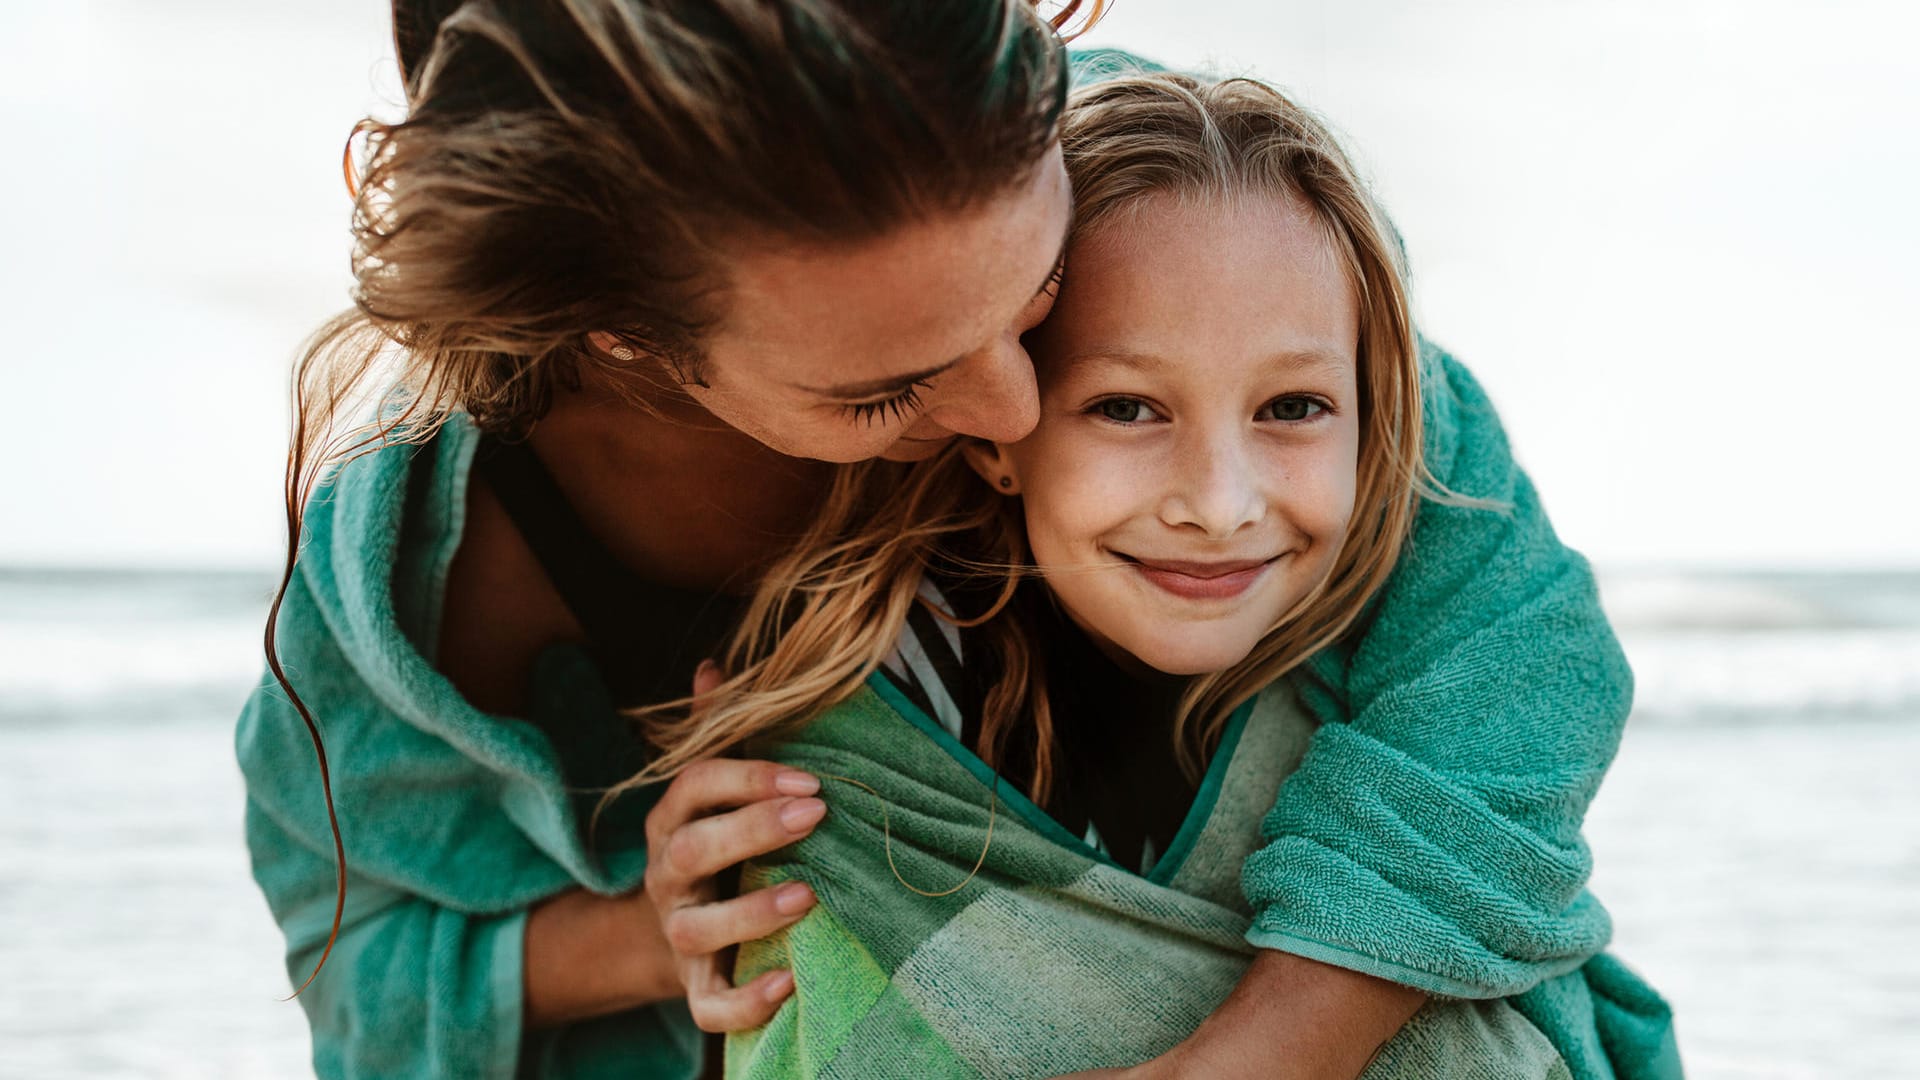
1151	361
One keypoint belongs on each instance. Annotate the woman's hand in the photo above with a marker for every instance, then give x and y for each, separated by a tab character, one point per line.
588	955
715	815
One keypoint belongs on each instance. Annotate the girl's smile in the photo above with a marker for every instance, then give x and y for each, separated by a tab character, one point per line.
1221	580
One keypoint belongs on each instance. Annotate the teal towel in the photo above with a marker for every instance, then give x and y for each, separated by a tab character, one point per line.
455	821
1432	834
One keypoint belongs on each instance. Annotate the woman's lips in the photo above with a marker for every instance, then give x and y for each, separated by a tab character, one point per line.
1201	580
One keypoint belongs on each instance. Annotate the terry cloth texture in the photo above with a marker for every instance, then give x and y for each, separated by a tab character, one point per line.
1432	833
1051	959
455	821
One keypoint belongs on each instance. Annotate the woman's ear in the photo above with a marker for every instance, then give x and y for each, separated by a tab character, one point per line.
608	345
993	464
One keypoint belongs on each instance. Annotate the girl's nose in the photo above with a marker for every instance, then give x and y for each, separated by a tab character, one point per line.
1214	488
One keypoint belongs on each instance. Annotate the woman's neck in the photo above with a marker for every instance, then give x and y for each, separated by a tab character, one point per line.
677	496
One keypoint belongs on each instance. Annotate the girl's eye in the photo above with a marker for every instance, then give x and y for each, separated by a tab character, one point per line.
1293	409
1125	410
897	406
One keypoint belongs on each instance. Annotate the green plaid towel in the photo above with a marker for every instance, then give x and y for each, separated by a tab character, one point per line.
1051	958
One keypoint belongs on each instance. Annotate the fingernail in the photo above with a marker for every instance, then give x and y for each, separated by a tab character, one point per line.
792	897
778	986
795	782
800	814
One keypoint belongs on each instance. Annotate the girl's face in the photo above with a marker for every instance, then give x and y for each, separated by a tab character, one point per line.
1193	471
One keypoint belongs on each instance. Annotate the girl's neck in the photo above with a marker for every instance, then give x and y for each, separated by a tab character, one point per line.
1085	666
677	496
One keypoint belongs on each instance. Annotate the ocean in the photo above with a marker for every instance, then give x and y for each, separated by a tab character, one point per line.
1758	840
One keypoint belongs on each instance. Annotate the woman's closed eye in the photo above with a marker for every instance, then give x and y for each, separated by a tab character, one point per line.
890	409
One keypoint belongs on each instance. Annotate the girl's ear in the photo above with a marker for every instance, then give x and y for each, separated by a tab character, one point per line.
993	464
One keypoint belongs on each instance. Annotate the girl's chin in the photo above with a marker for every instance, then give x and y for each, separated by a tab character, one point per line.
1190	657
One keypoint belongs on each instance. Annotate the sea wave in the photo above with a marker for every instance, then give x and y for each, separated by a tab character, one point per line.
1706	649
128	645
1781	676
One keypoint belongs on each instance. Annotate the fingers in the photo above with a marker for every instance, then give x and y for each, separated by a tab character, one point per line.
719	784
699	929
702	848
706	677
737	1008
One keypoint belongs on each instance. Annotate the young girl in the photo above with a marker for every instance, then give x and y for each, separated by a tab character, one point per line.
1033	864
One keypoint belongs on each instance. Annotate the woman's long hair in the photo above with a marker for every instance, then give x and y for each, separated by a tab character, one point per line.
828	614
569	167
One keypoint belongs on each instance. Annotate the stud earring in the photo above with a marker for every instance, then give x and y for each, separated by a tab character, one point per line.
1006	483
623	352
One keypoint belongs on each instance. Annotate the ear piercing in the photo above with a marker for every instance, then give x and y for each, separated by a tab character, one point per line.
1006	482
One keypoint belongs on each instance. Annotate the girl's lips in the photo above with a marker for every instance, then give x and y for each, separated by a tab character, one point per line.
1202	580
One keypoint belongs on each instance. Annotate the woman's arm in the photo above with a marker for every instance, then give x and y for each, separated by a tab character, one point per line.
415	988
588	955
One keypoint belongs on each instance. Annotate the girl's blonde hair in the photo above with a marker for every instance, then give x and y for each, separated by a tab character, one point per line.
826	616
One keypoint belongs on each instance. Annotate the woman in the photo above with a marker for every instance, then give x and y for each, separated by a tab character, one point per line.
648	267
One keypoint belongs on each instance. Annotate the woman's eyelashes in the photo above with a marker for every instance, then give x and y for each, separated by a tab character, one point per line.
888	410
1286	409
1051	289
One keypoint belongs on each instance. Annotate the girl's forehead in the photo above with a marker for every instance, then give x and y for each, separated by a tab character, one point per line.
1179	277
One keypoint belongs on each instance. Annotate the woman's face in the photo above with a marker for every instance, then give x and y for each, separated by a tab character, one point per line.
1193	471
890	347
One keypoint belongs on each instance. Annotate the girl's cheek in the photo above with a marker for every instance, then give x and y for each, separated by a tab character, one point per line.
1315	488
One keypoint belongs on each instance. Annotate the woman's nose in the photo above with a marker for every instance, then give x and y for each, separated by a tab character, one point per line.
990	395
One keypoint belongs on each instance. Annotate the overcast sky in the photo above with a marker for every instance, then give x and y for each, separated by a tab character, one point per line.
1677	242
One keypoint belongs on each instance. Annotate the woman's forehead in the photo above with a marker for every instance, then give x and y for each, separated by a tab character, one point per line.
917	297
